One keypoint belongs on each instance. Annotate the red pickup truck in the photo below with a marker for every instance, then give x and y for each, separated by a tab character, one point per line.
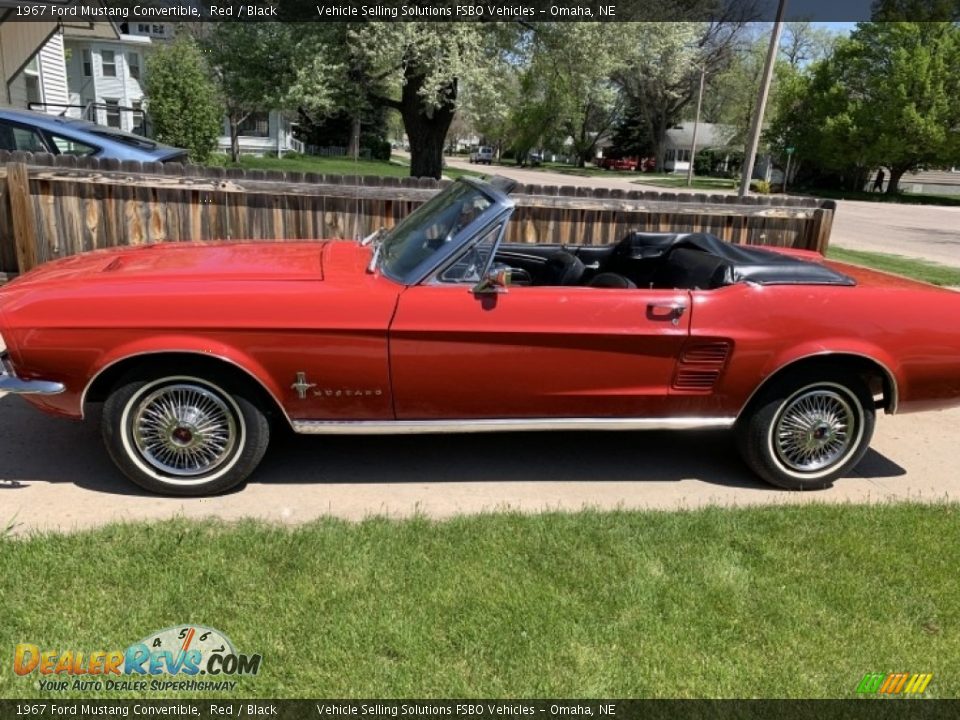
627	163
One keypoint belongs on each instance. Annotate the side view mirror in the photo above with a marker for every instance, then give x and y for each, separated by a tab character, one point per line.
496	280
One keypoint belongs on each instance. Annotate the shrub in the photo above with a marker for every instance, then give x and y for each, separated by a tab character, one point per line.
182	100
379	149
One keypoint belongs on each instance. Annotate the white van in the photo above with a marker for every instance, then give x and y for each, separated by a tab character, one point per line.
483	154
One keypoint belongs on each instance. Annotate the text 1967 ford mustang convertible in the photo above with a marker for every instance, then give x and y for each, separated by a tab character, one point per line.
439	326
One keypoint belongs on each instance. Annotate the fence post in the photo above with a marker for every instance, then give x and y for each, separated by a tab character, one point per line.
21	216
824	225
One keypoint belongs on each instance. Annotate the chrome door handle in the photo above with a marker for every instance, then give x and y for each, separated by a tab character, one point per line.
674	311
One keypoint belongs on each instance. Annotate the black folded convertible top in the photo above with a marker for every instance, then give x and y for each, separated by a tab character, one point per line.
741	262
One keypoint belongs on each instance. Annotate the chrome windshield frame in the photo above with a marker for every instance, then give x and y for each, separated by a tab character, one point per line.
501	207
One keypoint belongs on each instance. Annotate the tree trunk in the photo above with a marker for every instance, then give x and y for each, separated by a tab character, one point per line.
659	154
426	127
354	149
235	140
658	127
893	185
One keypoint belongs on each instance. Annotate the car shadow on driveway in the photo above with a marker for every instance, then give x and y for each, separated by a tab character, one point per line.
652	456
35	447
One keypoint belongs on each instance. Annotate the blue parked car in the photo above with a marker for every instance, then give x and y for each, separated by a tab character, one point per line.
40	133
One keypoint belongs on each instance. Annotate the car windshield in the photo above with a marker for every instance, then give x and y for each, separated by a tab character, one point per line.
430	229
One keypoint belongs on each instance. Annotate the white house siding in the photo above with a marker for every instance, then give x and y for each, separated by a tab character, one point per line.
53	74
259	145
82	89
99	88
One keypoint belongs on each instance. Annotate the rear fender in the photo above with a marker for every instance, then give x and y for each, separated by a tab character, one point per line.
836	347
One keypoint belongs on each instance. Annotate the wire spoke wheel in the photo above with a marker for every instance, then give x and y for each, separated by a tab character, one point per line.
815	430
184	430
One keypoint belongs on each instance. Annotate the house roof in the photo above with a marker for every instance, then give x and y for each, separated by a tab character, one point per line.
708	135
100	30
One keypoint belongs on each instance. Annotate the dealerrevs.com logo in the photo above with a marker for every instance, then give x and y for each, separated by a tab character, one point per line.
184	657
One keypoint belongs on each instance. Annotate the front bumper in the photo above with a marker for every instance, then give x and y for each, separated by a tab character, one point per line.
10	383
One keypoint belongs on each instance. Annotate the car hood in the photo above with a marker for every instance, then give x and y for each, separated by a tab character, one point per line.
203	262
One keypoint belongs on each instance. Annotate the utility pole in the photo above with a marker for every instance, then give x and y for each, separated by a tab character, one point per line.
696	126
757	125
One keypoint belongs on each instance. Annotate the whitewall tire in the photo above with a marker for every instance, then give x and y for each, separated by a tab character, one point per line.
808	428
183	434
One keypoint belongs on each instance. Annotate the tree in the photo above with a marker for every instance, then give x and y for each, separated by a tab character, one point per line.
662	70
916	10
423	66
804	43
889	97
492	110
732	91
257	67
571	74
812	114
182	100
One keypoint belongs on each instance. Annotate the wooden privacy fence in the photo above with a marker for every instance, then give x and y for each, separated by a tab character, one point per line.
52	207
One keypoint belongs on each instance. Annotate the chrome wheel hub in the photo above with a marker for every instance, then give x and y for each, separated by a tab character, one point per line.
184	430
814	430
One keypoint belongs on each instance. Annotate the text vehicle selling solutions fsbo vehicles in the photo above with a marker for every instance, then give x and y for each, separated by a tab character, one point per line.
437	325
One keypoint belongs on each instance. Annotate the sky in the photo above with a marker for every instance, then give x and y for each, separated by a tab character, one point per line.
837	27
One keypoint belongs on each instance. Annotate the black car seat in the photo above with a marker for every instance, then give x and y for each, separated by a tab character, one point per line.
612	280
691	269
639	254
562	268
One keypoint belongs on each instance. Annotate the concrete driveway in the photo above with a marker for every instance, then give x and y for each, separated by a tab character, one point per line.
55	474
918	231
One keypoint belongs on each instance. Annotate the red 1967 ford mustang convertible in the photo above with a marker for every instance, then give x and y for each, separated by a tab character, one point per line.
439	326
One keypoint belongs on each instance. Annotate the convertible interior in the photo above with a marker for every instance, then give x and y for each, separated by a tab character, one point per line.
691	261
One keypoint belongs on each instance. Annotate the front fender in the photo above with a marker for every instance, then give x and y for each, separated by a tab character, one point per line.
75	359
180	344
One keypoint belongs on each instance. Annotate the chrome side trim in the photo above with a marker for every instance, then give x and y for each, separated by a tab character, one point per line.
10	383
416	427
894	389
86	389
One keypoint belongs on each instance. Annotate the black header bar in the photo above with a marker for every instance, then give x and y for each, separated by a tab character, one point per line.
121	11
863	709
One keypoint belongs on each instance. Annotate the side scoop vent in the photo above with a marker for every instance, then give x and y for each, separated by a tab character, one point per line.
700	366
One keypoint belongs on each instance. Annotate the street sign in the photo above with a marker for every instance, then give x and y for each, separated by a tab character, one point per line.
791	150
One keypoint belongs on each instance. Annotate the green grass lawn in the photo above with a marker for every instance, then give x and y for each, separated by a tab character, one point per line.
901	198
333	166
588	171
680	181
325	165
762	602
561	168
918	269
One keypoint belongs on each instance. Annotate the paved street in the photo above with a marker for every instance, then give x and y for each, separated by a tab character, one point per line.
919	231
56	474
